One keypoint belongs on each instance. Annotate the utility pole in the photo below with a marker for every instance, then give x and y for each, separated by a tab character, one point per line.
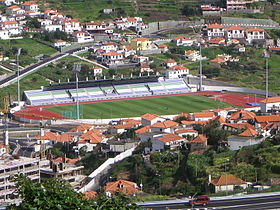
200	69
266	55
18	86
77	69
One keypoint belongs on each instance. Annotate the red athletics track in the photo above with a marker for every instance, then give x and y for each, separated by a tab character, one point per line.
38	113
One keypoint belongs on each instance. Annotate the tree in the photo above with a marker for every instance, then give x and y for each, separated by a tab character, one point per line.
58	194
49	194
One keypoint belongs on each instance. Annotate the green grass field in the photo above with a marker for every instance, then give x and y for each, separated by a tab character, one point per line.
133	108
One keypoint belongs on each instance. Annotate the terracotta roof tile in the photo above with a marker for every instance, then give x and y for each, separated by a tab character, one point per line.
227	179
122	186
268	118
169	137
275	99
199	139
165	124
243	114
149	116
144	129
212	26
203	114
249	133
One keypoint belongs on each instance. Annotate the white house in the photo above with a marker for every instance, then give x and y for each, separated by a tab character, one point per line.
215	30
97	71
170	62
183	41
30	6
271	103
110	46
167	126
169	140
193	55
53	27
12	27
82	37
235	32
7	2
254	34
226	182
4	34
176	72
150	118
69	26
112	58
185	132
60	43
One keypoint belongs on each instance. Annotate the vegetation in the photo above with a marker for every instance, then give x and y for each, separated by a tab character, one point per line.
58	194
166	105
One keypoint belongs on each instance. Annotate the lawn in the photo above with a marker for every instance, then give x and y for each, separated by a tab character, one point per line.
167	105
31	46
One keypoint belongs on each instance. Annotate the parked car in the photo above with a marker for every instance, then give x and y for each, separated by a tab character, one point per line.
200	200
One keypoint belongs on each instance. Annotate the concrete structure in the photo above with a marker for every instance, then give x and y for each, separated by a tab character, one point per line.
10	166
226	182
270	104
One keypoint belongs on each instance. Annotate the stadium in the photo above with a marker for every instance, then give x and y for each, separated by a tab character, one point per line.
120	98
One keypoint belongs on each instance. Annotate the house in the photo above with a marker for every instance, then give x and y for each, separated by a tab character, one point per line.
270	104
60	43
150	118
14	10
30	6
8	2
235	32
139	59
140	44
4	34
97	71
82	128
255	34
82	37
242	116
112	58
167	126
215	30
239	5
193	55
110	46
262	121
199	143
90	139
246	138
121	128
163	48
209	10
69	26
183	41
121	145
144	67
186	132
169	140
176	72
12	27
170	62
203	116
122	186
226	182
237	127
217	41
53	27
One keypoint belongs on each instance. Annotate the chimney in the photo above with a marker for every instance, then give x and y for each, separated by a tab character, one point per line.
209	178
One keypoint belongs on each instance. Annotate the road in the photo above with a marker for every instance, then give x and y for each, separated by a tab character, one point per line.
266	202
24	72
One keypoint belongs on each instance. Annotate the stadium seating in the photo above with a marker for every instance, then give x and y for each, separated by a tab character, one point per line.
162	87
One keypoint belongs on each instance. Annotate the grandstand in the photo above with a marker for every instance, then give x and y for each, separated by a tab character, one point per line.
98	90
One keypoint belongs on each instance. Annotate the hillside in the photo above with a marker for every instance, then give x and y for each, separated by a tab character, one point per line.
152	10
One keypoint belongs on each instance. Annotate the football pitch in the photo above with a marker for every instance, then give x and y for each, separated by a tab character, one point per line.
167	105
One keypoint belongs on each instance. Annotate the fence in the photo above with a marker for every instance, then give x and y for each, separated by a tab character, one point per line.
101	169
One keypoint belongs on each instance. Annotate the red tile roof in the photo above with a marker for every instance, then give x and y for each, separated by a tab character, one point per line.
240	125
122	186
249	133
243	114
82	128
227	179
182	37
67	160
185	131
268	118
235	28
203	114
169	137
112	53
29	3
144	129
217	40
212	26
178	68
199	139
255	29
141	39
165	124
149	116
89	195
202	122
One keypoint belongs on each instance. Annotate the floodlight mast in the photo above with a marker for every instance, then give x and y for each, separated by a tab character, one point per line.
18	85
77	69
